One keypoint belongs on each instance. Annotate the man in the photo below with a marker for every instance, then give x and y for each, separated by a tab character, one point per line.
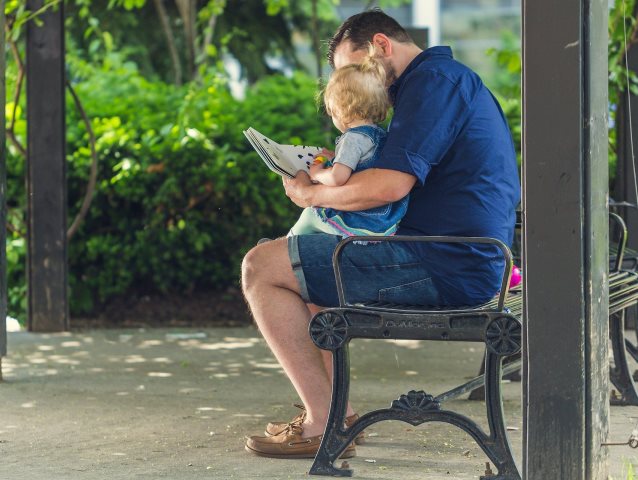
449	147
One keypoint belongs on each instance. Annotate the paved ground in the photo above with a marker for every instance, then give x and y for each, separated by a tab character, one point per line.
177	404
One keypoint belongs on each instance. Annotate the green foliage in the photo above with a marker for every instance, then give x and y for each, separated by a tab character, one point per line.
507	85
280	107
18	14
252	31
622	33
181	195
622	28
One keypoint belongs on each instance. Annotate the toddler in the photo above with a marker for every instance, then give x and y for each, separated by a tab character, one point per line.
356	99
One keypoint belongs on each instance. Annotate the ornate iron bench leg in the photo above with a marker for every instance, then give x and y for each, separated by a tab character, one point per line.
497	448
335	439
619	373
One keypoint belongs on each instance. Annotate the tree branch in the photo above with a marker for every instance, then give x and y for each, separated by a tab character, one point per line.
90	189
316	46
208	38
16	96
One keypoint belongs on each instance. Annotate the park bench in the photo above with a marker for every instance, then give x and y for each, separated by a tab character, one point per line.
497	324
500	331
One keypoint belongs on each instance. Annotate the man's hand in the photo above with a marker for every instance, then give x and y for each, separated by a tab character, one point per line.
299	189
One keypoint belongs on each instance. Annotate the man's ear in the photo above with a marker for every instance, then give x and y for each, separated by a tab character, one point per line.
382	44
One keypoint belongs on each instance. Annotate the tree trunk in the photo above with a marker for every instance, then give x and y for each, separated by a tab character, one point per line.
187	10
170	40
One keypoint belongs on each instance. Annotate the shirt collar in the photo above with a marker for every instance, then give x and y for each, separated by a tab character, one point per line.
420	58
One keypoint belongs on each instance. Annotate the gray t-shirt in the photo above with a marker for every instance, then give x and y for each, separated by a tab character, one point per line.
351	148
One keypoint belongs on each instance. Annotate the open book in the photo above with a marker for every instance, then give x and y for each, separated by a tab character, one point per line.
285	160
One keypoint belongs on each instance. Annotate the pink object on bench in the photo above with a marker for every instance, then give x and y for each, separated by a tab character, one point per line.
516	277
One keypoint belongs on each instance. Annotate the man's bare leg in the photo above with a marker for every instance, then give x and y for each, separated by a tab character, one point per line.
272	291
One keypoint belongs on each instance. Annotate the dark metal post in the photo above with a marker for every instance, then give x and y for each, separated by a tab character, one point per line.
566	239
46	172
3	205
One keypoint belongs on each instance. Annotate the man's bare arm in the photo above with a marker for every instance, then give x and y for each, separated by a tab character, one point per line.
367	189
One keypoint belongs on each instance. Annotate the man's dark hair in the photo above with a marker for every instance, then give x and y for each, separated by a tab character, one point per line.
360	28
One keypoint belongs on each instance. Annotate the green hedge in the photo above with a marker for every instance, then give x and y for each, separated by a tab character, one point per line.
181	195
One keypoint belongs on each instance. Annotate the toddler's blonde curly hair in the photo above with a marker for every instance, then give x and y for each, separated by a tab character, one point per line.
358	92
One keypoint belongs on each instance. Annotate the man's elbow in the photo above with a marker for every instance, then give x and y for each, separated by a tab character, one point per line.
392	193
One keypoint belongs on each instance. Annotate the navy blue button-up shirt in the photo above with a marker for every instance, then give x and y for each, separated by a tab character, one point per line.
450	133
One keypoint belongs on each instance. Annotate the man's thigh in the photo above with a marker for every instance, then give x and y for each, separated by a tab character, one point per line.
375	271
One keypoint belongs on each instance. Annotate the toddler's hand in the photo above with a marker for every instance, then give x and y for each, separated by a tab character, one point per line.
328	154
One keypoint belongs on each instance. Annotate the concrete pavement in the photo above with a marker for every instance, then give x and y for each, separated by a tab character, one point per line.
177	404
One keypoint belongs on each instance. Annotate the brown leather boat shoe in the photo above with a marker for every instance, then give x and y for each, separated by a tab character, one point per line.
290	444
275	428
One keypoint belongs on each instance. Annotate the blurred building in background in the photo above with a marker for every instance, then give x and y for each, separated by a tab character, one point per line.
470	27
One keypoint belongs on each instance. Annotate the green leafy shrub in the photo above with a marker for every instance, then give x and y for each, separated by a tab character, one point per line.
181	195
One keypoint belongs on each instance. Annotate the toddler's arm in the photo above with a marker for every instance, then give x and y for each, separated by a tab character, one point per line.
334	176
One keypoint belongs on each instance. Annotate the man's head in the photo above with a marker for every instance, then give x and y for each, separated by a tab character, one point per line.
351	42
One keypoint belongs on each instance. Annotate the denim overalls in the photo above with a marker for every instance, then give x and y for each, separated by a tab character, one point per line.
381	220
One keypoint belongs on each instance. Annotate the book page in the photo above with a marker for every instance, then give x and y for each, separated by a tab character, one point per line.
300	156
286	160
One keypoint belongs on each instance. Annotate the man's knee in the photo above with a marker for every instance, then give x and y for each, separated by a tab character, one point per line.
250	268
267	264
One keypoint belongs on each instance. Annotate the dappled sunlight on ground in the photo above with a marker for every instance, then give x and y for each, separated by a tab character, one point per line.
135	353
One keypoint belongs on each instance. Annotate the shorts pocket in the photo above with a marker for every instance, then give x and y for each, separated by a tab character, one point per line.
419	292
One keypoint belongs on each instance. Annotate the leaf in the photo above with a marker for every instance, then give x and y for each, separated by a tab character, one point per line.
211	50
108	41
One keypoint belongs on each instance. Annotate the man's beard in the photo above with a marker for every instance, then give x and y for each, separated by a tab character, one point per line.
390	75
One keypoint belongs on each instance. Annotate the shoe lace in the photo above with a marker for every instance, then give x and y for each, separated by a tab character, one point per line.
294	427
300	417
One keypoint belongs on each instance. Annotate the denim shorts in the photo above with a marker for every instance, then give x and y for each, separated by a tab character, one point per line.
372	271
